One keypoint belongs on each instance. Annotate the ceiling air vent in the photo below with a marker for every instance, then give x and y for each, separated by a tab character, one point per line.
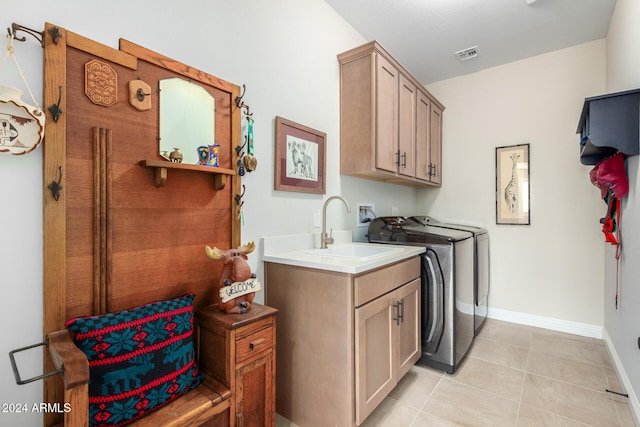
468	53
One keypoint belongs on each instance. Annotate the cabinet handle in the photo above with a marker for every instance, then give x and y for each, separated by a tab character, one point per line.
434	169
398	317
256	343
404	160
398	158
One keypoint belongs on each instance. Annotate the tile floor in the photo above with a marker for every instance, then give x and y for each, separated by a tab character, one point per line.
514	375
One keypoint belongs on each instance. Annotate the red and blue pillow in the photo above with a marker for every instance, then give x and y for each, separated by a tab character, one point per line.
139	359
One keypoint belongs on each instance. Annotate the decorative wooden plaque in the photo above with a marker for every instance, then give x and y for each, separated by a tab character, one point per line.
100	83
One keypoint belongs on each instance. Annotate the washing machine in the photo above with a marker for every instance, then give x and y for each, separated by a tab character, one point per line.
447	309
480	265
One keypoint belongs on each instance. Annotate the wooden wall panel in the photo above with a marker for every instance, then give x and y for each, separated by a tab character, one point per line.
114	240
158	234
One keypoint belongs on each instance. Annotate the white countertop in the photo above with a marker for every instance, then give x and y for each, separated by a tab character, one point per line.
293	250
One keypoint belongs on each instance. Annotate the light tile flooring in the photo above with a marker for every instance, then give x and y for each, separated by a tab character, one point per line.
514	375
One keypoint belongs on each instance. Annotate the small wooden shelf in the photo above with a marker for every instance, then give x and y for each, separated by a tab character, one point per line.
161	167
608	124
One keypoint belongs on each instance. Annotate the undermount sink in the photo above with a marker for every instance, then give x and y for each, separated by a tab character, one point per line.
361	252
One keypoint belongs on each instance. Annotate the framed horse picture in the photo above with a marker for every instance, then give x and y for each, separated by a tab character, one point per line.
512	185
300	163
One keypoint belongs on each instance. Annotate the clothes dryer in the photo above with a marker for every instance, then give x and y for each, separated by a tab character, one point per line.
480	265
447	315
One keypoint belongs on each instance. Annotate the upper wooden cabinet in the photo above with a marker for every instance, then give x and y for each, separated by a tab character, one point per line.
390	125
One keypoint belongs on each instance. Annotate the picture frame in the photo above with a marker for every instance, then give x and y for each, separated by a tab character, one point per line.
300	157
512	185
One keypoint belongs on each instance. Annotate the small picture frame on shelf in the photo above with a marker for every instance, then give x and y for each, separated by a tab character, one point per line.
512	185
300	155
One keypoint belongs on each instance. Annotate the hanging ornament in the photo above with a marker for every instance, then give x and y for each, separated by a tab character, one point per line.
250	162
21	124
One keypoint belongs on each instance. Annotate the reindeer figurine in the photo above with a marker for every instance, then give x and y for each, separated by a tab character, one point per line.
237	285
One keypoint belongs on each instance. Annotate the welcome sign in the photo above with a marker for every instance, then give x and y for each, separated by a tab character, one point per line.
237	289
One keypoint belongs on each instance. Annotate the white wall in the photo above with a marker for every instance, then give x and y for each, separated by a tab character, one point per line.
21	248
551	269
622	325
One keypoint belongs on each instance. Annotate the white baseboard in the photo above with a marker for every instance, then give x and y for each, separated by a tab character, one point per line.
624	379
582	329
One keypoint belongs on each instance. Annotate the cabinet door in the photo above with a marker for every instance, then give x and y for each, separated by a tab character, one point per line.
375	360
423	137
255	393
386	115
436	144
409	347
407	127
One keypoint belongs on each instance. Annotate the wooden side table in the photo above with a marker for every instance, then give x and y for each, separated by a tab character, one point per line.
244	360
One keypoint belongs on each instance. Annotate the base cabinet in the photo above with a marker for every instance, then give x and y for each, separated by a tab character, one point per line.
387	345
253	390
245	362
341	346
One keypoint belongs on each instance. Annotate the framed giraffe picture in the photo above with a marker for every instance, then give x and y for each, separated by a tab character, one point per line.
512	185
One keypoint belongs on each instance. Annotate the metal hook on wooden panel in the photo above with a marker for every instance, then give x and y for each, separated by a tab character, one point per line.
239	197
239	148
238	100
55	187
241	104
55	34
38	35
55	109
140	94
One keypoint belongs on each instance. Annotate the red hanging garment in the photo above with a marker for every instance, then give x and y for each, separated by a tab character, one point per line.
610	221
610	176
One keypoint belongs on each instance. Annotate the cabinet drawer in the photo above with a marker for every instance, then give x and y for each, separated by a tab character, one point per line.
379	282
254	344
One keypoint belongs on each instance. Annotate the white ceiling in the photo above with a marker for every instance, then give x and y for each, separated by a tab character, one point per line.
424	34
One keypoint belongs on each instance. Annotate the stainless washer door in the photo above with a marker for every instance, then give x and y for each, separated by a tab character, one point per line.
433	302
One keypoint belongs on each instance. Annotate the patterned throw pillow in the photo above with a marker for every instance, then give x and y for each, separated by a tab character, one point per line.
139	359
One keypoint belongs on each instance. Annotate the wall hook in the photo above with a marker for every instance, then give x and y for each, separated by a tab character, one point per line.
239	197
55	109
241	104
239	148
17	27
140	94
55	35
55	187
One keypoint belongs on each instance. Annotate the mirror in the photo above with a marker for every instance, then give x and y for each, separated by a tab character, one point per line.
187	119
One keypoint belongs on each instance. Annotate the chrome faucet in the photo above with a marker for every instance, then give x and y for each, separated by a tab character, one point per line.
324	238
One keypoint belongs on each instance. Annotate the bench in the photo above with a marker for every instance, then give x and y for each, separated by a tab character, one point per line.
207	404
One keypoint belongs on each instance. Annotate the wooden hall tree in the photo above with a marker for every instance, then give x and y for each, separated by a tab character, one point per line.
122	232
